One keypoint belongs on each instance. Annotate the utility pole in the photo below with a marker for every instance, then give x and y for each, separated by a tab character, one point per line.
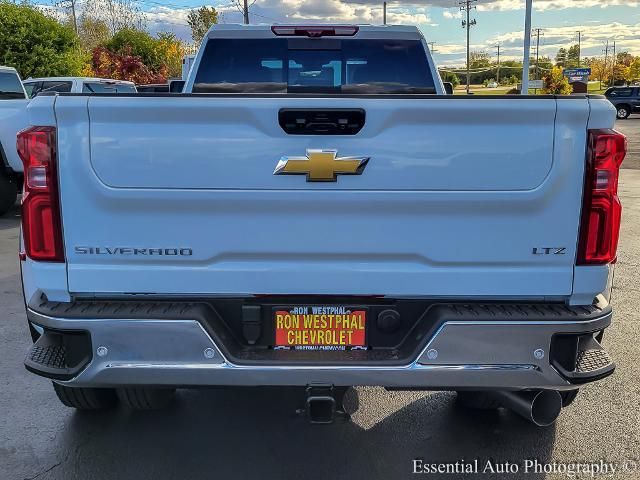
245	11
606	60
527	47
384	13
498	70
579	46
466	6
537	35
614	60
432	47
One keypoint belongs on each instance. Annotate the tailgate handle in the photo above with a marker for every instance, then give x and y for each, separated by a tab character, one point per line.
321	121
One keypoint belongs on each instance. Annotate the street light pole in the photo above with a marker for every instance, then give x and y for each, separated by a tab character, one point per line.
498	70
579	46
384	13
527	48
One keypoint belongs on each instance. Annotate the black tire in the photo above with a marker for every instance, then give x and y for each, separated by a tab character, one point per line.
145	398
86	398
8	192
623	112
477	400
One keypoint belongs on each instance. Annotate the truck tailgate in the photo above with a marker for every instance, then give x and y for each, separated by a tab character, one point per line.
177	196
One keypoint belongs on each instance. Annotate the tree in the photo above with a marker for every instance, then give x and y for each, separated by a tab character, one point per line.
172	50
545	63
625	58
92	32
116	14
573	57
450	77
561	57
621	73
200	20
634	69
479	60
556	83
123	66
138	43
599	70
140	57
35	44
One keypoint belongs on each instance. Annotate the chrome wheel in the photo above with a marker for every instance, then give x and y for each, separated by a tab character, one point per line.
623	112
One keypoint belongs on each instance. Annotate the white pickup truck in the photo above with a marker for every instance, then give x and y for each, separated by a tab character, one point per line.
13	117
37	86
315	212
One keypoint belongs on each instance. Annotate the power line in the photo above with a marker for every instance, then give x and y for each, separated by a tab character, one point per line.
466	6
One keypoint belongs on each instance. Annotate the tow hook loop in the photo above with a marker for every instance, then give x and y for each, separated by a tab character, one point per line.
323	404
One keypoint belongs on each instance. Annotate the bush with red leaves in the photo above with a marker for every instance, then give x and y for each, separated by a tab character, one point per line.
124	66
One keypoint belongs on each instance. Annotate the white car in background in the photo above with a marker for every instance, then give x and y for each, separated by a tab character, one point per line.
35	86
13	118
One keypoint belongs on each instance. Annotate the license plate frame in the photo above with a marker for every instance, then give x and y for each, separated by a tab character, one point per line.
327	327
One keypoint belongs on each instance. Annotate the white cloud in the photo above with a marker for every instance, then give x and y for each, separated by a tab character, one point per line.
287	11
553	4
594	38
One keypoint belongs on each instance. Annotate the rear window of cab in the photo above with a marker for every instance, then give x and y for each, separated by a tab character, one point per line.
10	86
305	65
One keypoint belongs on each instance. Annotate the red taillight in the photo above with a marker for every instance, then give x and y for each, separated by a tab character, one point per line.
41	227
315	31
601	209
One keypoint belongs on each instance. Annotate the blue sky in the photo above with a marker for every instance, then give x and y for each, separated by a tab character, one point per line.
499	21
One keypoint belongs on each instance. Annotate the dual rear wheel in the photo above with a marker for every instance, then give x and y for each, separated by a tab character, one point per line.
134	398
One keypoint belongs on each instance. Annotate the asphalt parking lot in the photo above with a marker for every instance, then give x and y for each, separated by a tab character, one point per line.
253	433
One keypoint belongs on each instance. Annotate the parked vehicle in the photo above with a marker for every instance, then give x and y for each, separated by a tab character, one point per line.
173	86
35	86
307	215
13	102
153	88
626	100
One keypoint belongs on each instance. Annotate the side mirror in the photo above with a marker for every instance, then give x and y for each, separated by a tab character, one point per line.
448	88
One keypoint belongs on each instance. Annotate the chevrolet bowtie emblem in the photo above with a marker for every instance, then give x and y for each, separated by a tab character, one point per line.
321	165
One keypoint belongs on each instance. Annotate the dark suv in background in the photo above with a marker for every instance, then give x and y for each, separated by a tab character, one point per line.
625	99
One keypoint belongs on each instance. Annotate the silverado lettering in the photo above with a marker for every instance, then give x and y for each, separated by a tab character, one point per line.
169	252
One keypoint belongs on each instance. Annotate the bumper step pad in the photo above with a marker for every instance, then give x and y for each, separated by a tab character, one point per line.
592	360
585	360
59	355
50	356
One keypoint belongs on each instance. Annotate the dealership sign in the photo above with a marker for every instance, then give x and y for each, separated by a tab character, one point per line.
577	74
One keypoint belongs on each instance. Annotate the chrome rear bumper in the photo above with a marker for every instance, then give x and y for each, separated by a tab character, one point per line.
505	355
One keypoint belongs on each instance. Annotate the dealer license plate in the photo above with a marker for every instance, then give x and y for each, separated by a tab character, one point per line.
320	327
